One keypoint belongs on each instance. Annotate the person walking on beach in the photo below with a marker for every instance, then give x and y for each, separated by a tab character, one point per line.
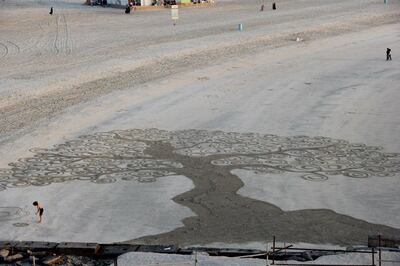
274	6
127	9
388	54
51	11
39	210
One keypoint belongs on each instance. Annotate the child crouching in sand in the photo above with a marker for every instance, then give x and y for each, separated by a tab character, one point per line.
39	211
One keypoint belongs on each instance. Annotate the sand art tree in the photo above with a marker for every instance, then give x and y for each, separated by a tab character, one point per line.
208	158
132	155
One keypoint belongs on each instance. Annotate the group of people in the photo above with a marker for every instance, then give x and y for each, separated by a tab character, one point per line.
130	7
273	6
165	2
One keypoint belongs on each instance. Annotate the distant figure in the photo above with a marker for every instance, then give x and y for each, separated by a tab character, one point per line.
273	6
39	210
127	9
262	8
132	6
388	54
51	11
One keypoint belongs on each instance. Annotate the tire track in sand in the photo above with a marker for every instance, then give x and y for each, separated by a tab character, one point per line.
4	49
26	113
8	48
62	44
55	42
67	39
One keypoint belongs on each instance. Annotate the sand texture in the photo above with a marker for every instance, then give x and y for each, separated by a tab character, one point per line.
128	128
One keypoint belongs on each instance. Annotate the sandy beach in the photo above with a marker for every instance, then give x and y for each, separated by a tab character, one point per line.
128	128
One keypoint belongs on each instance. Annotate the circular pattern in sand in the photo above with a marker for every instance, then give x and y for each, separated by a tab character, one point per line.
11	213
106	157
20	224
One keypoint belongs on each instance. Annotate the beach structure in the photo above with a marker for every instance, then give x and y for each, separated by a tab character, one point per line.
121	2
146	2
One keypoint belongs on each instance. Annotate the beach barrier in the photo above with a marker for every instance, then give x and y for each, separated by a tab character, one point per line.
78	248
51	251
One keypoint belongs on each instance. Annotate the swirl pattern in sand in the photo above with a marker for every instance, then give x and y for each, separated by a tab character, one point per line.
11	213
122	155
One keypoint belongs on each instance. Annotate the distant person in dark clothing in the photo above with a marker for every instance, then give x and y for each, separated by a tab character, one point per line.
51	11
274	6
388	54
127	9
262	8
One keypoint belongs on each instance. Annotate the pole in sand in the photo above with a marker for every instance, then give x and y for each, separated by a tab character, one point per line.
174	14
380	250
273	250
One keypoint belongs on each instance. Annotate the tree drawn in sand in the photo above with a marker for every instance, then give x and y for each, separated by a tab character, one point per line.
208	159
129	155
